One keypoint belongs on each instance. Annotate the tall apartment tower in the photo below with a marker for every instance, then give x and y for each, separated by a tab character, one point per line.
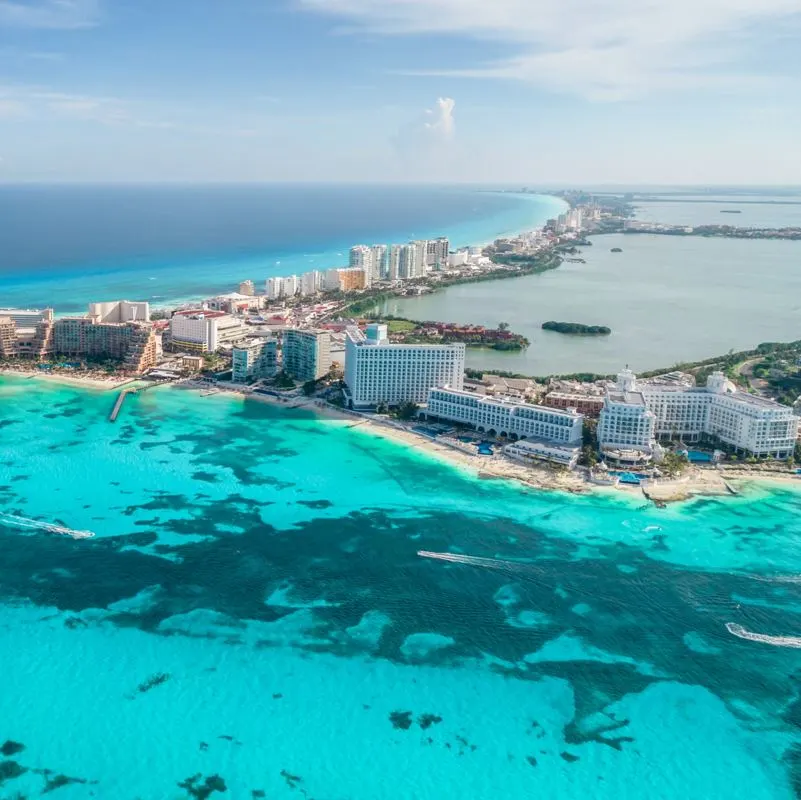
307	354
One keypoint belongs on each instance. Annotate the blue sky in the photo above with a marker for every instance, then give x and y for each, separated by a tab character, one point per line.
522	91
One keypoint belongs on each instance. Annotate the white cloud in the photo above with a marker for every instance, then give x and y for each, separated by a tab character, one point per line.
440	123
427	145
604	50
49	13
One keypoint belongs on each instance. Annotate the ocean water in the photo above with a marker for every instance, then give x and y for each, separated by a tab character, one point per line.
253	620
66	246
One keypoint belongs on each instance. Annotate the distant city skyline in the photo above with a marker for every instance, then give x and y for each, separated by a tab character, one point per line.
529	92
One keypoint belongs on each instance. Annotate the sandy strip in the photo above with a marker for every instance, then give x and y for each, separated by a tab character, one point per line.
92	381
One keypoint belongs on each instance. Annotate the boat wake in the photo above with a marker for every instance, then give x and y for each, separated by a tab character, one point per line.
776	641
475	561
776	578
12	521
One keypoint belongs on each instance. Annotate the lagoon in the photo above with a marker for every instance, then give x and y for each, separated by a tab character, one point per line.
667	299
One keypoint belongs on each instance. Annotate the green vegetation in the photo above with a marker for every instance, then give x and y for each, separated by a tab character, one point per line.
283	381
576	328
397	325
407	411
673	464
589	441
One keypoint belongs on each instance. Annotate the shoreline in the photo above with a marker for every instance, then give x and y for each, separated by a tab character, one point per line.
77	381
696	483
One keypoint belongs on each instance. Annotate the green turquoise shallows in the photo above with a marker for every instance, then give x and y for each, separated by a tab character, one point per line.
252	615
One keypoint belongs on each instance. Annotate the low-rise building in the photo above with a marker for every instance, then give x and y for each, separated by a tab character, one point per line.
529	451
306	354
588	404
378	371
254	359
505	417
192	363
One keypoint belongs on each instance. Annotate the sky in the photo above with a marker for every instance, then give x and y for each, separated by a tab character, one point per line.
529	92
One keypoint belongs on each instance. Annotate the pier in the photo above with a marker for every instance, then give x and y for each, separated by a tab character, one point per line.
115	412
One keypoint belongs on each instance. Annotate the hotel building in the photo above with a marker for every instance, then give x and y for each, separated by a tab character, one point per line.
306	354
310	283
255	358
528	451
132	343
437	251
353	278
109	331
501	416
202	331
377	371
119	311
380	262
636	415
26	333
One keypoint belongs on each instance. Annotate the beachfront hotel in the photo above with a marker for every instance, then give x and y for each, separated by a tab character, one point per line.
26	333
202	331
506	417
637	415
132	343
117	330
254	359
378	371
306	354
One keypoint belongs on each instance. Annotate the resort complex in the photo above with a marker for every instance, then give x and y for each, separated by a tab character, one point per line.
505	417
379	372
637	415
118	331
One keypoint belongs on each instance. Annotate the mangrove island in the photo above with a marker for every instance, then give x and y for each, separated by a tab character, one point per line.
576	328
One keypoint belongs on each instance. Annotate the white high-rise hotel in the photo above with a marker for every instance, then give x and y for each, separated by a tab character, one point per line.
377	371
636	415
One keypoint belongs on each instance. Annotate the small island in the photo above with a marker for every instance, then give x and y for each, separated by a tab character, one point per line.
616	250
576	328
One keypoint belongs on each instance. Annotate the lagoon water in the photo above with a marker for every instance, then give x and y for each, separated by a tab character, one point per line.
252	619
667	299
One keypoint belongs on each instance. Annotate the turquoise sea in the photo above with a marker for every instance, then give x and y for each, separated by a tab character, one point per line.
252	619
67	246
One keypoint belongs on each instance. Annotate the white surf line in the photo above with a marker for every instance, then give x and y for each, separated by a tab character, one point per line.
777	641
475	561
35	524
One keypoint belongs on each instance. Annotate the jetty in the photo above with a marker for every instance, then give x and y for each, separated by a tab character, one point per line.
115	412
123	395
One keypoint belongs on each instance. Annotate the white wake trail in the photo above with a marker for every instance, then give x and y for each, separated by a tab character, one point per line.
776	641
12	521
475	561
